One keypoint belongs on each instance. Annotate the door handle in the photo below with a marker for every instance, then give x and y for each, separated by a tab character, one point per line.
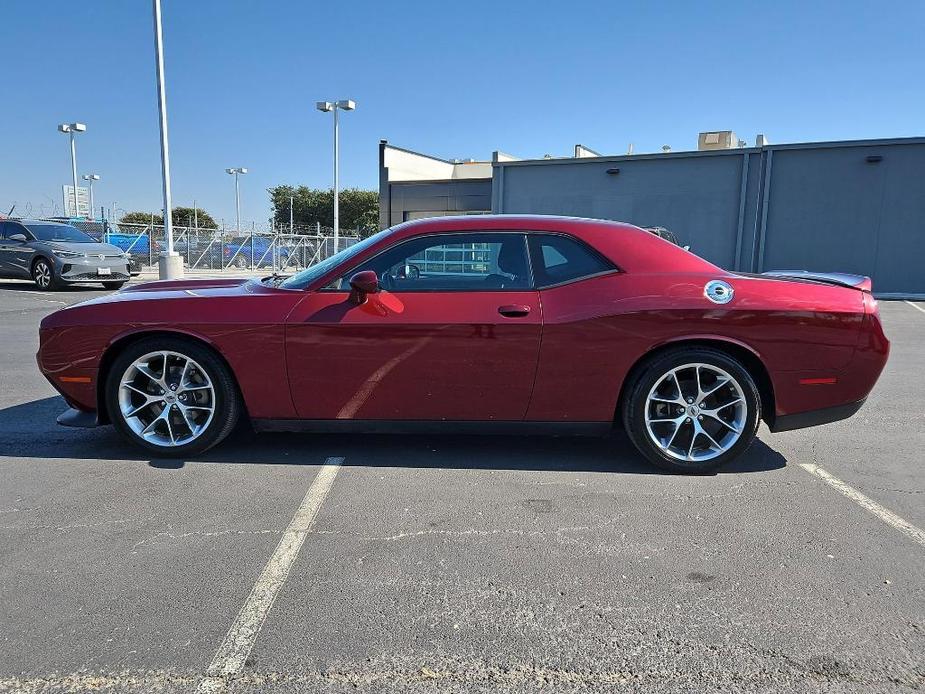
514	310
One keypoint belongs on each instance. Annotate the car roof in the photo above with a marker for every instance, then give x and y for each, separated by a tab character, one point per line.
27	222
628	246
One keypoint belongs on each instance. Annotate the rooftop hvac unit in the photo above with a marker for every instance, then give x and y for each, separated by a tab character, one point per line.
719	139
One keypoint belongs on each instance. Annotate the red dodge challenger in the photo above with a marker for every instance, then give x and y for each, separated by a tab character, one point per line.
481	323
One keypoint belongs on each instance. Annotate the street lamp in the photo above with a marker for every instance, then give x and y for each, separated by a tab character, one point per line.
237	194
335	106
70	129
90	178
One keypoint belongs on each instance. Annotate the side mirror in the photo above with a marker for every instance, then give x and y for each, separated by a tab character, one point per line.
21	238
361	284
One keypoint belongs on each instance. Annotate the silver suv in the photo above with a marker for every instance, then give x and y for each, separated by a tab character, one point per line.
53	255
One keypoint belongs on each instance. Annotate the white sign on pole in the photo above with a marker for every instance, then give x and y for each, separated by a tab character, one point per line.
83	202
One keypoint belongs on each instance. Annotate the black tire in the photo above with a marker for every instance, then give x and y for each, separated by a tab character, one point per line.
635	404
43	275
227	400
114	285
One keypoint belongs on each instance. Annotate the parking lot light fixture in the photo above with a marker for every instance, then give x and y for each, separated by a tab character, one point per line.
335	106
89	178
71	129
237	194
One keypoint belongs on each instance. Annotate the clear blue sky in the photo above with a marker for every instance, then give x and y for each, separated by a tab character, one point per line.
456	79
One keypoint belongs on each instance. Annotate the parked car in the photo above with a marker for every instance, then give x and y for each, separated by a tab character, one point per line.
54	255
509	323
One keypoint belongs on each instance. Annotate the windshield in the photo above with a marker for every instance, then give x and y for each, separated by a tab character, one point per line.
310	274
59	232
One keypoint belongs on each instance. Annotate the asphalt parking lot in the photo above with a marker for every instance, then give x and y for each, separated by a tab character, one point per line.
331	563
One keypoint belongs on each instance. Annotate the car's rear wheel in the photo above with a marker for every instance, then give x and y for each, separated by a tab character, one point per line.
114	285
171	396
692	410
43	274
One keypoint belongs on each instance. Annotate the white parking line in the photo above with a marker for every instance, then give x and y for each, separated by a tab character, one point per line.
867	503
232	654
916	306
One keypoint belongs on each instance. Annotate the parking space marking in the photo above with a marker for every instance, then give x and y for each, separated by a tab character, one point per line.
38	296
916	306
233	653
865	502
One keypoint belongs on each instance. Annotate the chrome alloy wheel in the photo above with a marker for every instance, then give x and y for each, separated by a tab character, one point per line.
166	398
42	275
695	412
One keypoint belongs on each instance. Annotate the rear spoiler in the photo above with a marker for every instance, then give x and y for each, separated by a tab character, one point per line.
841	279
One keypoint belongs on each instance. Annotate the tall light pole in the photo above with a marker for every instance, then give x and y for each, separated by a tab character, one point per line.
90	178
335	106
70	129
169	265
237	194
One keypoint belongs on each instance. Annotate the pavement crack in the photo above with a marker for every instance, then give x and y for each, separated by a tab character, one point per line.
199	533
472	532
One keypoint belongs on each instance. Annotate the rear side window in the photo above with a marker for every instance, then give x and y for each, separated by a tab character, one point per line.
558	259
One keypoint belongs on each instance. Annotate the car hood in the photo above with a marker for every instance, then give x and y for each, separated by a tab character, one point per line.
181	289
173	302
105	249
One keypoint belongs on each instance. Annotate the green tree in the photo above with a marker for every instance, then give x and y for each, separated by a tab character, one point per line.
140	218
310	206
185	217
181	216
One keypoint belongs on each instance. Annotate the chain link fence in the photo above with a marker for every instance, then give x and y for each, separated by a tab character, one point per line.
216	249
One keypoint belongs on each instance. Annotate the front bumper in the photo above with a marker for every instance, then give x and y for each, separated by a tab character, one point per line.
114	269
72	417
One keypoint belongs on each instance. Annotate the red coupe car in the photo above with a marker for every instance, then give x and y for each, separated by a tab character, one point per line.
480	323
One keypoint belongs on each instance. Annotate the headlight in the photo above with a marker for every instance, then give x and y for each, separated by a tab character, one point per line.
70	254
127	256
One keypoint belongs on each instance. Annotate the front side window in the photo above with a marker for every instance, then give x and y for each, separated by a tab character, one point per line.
558	259
451	263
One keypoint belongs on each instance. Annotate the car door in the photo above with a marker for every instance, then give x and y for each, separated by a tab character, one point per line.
15	256
453	334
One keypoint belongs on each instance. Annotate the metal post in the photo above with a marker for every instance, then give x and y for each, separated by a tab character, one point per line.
90	186
336	195
74	172
290	216
170	266
237	204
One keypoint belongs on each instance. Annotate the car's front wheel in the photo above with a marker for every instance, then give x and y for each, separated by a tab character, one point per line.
171	396
692	410
43	274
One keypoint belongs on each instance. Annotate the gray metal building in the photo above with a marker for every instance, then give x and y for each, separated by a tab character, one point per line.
856	206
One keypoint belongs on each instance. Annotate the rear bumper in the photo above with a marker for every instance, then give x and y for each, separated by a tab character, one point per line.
814	418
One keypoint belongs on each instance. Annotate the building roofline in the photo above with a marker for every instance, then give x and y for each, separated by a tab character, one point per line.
716	152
